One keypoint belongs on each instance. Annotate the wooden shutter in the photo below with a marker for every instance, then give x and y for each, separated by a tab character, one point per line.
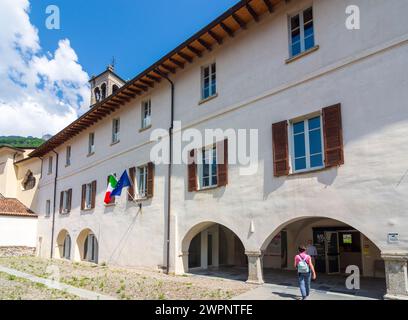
132	174
93	194
280	149
61	202
222	165
333	136
192	172
150	179
69	200
83	197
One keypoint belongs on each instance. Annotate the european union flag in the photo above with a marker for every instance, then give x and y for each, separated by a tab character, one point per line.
122	183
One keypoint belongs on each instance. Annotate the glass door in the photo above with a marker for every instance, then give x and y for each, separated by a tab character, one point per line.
332	252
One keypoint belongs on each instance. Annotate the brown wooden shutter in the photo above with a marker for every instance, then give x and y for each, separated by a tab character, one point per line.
132	175
333	136
61	201
93	194
222	165
150	179
192	171
69	200
83	197
280	149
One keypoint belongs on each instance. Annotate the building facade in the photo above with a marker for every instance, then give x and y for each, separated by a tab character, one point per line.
19	180
326	106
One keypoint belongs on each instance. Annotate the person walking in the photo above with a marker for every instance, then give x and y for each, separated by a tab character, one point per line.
311	251
306	271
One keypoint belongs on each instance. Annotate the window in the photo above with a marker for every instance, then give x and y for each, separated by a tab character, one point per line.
88	196
50	160
142	181
301	32
307	141
146	113
103	89
91	143
208	81
66	252
68	156
65	198
47	208
208	167
97	94
115	88
29	181
91	249
115	130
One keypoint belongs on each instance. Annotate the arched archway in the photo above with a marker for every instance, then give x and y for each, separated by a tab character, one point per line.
334	245
87	247
64	244
212	248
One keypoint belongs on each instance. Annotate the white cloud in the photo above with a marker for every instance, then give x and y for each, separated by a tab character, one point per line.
39	93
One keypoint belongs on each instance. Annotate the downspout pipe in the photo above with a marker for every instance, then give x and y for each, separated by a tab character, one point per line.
54	203
169	171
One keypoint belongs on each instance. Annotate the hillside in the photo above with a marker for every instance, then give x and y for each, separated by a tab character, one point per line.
17	141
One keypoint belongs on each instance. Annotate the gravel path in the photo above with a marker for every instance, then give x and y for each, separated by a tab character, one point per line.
130	283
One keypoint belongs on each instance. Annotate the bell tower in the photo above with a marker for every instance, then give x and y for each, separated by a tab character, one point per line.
104	84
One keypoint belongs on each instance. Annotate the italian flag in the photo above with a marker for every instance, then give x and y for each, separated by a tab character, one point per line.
112	182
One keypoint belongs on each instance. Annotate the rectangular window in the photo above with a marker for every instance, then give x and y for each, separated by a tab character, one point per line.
115	130
68	156
91	143
88	196
146	113
208	81
301	32
208	167
65	199
307	139
142	181
48	208
50	160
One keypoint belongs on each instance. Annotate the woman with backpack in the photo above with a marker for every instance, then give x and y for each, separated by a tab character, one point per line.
306	270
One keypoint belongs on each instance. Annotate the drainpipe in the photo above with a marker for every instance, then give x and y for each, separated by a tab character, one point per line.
168	208
54	204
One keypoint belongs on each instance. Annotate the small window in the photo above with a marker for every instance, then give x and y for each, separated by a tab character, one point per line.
103	89
68	156
208	168
208	81
91	249
47	208
142	181
50	160
66	252
29	181
115	88
91	143
307	140
301	32
88	196
115	130
146	113
97	93
65	201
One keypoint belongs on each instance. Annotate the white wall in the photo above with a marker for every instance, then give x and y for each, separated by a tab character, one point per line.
18	231
363	70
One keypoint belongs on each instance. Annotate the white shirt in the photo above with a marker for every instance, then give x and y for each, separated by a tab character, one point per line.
311	250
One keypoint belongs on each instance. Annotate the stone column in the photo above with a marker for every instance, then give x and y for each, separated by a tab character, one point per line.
255	272
396	275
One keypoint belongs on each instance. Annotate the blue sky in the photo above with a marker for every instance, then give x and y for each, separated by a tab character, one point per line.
135	32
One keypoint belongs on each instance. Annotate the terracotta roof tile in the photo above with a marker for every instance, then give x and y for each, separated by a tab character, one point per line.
13	207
